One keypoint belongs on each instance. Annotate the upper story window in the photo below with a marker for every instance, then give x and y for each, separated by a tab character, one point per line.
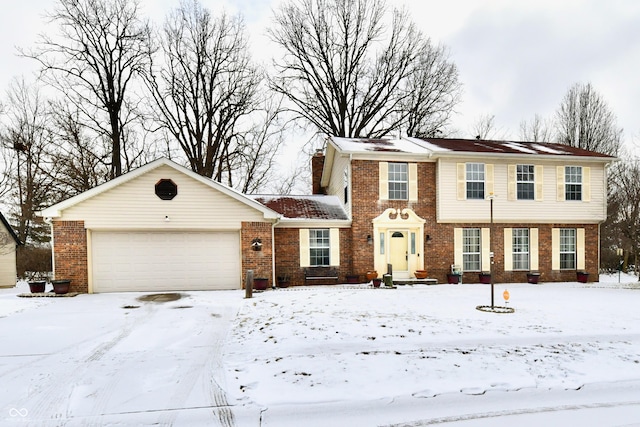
398	181
345	185
525	181
475	180
573	182
319	247
568	248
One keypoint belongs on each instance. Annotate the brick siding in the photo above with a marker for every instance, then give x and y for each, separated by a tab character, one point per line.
258	261
70	254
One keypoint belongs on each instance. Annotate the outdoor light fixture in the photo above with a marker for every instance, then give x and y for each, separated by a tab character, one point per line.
428	238
369	239
166	218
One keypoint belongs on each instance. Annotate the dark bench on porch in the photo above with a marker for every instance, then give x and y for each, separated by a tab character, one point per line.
320	276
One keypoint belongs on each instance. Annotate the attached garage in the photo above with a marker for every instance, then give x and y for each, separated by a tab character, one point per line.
160	227
159	261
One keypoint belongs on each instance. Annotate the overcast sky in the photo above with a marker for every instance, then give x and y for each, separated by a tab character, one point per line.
516	58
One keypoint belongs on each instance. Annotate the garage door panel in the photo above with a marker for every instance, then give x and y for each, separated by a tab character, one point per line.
155	261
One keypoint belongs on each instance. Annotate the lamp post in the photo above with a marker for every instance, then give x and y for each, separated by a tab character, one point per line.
491	237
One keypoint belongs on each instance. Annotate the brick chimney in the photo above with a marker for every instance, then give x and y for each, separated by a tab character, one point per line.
317	163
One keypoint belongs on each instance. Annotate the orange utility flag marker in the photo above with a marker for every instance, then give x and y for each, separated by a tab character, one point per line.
505	294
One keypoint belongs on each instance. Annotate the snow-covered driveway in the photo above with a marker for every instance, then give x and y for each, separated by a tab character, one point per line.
90	360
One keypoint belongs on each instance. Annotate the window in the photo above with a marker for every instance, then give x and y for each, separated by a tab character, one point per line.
345	184
398	181
525	182
567	248
471	249
520	247
166	189
475	180
319	247
573	183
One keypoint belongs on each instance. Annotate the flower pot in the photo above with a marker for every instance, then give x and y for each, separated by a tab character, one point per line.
582	276
260	283
420	274
533	278
283	283
485	278
353	278
371	274
37	286
377	282
453	279
61	286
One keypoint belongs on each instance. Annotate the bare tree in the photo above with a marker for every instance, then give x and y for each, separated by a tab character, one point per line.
432	90
584	120
103	45
349	72
536	130
26	139
205	87
622	227
485	128
80	163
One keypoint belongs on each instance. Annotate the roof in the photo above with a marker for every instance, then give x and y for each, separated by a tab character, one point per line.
447	146
312	207
56	210
10	229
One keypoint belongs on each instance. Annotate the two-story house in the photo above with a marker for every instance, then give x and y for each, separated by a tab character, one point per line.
433	203
416	204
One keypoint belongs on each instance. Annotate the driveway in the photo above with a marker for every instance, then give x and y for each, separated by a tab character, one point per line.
116	359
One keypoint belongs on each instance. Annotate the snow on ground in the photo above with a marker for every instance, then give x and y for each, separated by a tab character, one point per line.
325	356
325	345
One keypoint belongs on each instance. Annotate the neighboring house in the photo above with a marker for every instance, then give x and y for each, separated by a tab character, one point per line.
412	203
8	244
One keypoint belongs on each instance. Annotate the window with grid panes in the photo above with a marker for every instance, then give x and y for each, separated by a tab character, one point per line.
573	182
398	181
567	248
471	247
319	247
525	182
475	180
520	248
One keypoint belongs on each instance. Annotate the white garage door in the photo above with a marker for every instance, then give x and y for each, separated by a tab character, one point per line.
163	261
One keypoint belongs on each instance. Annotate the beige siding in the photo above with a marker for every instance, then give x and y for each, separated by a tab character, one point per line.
7	262
134	205
545	209
336	182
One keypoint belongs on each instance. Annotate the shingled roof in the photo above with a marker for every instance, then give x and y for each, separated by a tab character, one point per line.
448	145
12	233
304	207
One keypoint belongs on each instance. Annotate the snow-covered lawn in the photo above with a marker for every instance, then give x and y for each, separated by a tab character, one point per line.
322	345
325	356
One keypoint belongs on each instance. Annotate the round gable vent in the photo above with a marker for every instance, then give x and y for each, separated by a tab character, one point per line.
166	189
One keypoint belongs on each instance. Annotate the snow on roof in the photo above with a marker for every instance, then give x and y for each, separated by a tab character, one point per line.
317	206
451	145
404	145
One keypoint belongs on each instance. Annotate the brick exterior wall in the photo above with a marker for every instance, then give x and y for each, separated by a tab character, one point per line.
70	254
317	163
287	253
439	251
258	261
